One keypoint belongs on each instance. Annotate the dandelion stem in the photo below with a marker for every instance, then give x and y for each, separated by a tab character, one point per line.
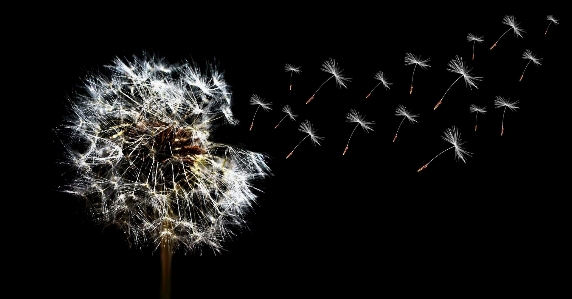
280	121
476	115
502	121
166	261
425	166
398	129
439	103
411	88
524	70
290	154
373	90
252	124
547	28
473	51
290	80
318	90
500	38
348	144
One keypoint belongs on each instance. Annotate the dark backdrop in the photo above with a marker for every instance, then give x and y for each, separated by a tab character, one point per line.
323	211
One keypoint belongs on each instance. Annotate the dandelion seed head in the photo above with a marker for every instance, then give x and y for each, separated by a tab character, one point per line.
453	136
288	111
229	116
138	140
381	77
529	55
307	128
511	21
402	111
412	59
552	19
501	102
291	68
256	100
354	117
330	66
220	83
456	65
477	109
474	38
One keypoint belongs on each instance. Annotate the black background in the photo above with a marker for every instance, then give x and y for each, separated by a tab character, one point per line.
324	215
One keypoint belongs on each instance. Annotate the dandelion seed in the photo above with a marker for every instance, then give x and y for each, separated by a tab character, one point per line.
474	39
256	100
292	69
458	66
288	112
552	20
476	109
452	136
330	67
382	80
402	111
139	143
307	128
500	102
417	61
531	58
354	117
510	21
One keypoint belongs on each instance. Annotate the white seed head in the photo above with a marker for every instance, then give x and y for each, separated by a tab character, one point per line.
456	65
453	136
477	109
474	38
501	102
288	111
510	21
529	55
354	117
330	66
402	111
291	68
256	100
139	142
381	77
412	59
552	19
307	128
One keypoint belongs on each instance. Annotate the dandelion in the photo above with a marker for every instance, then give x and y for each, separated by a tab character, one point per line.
292	69
354	117
139	143
401	111
531	58
458	66
476	109
474	39
379	76
500	102
256	100
288	112
417	61
510	21
452	136
330	67
307	128
552	20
